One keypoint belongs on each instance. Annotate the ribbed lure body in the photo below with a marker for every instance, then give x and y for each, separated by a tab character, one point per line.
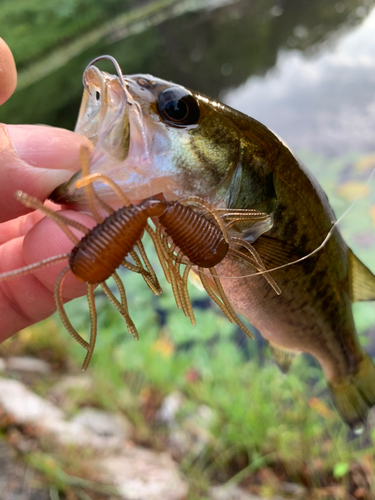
102	250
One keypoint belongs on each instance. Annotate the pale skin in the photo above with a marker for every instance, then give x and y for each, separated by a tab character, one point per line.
34	159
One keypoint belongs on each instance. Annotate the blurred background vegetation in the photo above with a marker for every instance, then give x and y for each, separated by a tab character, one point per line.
305	69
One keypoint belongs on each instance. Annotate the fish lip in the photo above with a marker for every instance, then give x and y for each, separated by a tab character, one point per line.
104	121
64	194
104	111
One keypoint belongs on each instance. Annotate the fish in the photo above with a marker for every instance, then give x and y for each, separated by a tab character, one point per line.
159	139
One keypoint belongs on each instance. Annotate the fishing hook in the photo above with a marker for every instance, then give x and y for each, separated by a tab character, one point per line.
129	99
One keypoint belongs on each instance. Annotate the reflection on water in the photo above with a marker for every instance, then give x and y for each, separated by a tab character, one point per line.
258	56
324	103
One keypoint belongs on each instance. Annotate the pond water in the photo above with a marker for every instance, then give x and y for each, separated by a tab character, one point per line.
305	69
324	101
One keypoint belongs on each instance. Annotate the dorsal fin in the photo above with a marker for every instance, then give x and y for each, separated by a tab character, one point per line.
282	356
362	280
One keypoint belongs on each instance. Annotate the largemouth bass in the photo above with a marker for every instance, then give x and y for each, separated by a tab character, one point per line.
158	139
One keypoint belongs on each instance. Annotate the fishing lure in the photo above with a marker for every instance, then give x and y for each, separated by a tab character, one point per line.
189	232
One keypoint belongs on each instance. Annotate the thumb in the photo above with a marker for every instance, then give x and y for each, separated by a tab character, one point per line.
35	159
8	72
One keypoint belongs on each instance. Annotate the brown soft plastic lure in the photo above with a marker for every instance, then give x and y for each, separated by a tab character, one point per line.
104	248
189	232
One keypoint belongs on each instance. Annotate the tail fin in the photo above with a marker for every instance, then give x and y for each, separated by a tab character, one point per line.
355	395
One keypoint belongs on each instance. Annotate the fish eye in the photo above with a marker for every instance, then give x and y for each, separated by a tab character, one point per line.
178	107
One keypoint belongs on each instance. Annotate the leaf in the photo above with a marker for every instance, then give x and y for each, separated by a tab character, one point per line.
340	469
318	405
163	346
351	189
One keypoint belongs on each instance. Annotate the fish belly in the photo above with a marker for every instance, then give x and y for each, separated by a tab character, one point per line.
300	319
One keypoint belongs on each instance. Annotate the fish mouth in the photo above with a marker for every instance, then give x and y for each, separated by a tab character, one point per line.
112	120
104	116
133	145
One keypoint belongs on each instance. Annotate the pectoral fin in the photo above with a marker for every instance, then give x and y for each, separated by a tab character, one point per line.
282	356
275	253
362	280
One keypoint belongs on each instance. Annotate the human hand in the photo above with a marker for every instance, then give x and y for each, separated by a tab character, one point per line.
34	159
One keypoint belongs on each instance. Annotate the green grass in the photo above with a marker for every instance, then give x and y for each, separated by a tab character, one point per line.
261	419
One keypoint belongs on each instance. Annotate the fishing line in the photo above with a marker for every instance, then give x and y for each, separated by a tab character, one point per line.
320	247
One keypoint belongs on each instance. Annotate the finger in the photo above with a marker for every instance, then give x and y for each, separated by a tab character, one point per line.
15	228
12	229
35	159
28	299
8	72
